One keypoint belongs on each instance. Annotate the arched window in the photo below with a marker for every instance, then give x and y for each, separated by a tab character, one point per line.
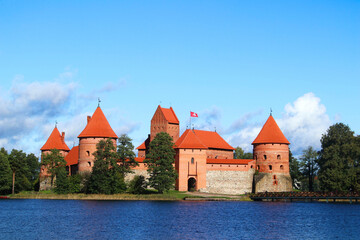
278	157
89	164
270	167
265	157
87	153
281	167
192	160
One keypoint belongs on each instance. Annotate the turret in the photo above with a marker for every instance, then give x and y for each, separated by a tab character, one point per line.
271	152
97	129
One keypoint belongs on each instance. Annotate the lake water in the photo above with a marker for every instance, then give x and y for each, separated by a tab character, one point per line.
74	219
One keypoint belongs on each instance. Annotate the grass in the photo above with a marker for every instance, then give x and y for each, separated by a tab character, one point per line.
149	195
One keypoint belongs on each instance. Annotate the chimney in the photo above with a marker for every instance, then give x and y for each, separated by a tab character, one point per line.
63	136
88	119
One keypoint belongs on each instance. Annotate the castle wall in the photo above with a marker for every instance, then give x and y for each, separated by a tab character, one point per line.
268	182
219	154
229	182
138	170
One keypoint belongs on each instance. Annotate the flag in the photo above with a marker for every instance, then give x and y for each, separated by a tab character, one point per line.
192	114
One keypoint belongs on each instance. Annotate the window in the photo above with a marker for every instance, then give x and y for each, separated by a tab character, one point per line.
87	153
278	157
192	160
281	167
258	167
270	167
89	164
274	176
265	157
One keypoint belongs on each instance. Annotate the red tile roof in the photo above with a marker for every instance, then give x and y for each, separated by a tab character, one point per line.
169	115
229	161
189	140
212	140
270	133
55	141
73	156
98	126
142	146
139	159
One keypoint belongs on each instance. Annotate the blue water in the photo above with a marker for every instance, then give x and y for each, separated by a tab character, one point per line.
73	219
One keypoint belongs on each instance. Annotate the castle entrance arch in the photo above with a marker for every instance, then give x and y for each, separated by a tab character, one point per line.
191	184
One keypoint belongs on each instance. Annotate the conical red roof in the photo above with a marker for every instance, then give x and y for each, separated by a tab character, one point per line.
98	126
189	140
73	156
55	141
270	133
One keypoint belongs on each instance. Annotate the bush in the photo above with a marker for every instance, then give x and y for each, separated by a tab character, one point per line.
75	183
137	185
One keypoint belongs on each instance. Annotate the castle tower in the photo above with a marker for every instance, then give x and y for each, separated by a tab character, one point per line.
165	120
97	128
271	152
55	141
190	162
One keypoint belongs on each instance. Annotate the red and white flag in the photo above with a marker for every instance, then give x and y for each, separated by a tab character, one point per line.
192	114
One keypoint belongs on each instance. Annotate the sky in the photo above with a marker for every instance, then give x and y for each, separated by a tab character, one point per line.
229	61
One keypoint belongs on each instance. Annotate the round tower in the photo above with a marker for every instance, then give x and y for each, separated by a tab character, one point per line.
97	129
271	152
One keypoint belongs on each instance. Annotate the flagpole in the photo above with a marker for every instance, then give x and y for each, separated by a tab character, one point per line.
190	119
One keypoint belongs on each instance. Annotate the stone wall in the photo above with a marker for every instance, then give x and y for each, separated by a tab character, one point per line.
268	182
142	172
229	182
45	183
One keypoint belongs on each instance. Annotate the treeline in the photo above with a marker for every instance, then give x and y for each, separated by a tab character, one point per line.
336	167
111	166
18	171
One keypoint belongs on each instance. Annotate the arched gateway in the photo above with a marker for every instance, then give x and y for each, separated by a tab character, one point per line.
191	184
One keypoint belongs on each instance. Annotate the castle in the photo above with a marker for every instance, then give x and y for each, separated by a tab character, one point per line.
204	161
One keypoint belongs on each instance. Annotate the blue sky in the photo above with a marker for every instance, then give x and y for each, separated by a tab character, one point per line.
229	61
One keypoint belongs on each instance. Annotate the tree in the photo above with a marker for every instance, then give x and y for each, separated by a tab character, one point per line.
33	168
240	154
62	181
295	171
339	159
309	166
53	161
126	155
160	161
106	176
17	160
5	174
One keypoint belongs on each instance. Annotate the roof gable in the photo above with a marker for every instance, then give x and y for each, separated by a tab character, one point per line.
73	156
55	141
270	133
98	126
212	140
169	115
189	140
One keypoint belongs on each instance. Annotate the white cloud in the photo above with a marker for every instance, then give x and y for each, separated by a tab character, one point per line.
303	123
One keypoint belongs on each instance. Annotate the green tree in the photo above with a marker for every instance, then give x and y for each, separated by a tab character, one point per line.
106	176
240	154
126	155
137	185
339	159
33	168
295	173
53	161
309	166
160	161
5	174
17	160
62	181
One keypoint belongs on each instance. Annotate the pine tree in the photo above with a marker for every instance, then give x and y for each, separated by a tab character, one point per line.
106	176
17	160
160	161
309	166
126	155
62	181
5	174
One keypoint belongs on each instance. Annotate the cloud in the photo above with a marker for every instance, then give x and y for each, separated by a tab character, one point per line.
26	107
303	123
209	119
106	88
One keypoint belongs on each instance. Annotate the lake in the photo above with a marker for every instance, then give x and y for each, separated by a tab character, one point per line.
75	219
